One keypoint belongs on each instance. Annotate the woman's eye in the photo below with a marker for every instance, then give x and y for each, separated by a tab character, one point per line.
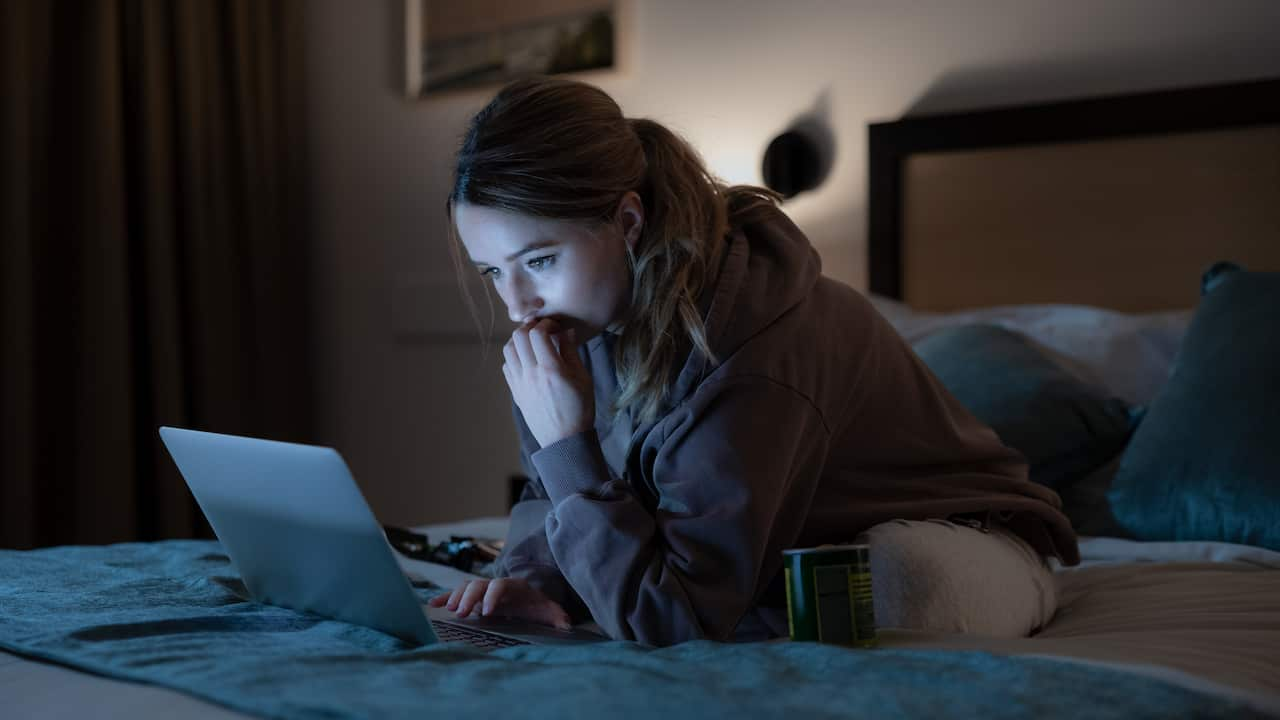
542	263
491	272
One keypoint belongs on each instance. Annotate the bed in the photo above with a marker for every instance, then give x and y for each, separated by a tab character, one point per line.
1078	234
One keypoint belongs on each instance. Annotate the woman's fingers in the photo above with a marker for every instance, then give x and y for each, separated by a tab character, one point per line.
471	596
520	340
505	596
493	596
509	354
448	600
569	349
455	596
544	352
507	374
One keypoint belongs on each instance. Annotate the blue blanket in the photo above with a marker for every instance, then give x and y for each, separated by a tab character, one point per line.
174	614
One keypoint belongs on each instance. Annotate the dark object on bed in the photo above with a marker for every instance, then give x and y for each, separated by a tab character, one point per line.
1065	427
1205	462
1085	502
408	543
462	552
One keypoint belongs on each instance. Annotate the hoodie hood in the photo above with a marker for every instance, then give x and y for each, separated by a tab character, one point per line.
767	269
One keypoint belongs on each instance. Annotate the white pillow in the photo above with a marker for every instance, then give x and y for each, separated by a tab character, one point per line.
1129	355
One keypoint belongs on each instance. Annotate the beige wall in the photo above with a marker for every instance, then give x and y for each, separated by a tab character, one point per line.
404	391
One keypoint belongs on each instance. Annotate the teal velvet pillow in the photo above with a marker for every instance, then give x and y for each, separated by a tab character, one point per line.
1204	464
1064	426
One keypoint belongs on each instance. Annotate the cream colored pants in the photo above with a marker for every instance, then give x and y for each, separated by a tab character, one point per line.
940	576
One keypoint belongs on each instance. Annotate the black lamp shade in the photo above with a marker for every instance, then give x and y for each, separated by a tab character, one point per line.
791	164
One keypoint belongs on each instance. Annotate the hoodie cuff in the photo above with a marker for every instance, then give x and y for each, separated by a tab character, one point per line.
572	465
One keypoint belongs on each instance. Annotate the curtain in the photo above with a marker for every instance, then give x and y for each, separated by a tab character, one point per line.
154	254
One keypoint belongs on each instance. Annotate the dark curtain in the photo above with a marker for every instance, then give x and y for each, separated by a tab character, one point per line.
154	254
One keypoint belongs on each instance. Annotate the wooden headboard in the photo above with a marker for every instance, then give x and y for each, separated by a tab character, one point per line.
1116	202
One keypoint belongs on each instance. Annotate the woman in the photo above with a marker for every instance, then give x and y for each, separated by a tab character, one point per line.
693	397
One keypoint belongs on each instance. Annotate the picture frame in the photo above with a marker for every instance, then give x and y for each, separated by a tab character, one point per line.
460	45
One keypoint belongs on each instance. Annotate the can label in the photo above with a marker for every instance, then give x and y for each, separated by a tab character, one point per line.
829	595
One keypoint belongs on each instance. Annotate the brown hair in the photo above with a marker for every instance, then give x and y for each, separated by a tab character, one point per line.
558	148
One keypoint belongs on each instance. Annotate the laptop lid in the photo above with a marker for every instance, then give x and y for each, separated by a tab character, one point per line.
298	530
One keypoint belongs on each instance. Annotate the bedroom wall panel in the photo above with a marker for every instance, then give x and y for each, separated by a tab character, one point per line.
1127	224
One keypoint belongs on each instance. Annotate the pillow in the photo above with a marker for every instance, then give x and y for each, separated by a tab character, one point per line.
1205	462
1129	355
1065	427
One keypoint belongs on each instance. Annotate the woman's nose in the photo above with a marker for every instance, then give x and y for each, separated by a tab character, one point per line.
521	302
518	314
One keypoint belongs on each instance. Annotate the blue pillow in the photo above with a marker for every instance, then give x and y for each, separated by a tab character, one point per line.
1064	426
1205	462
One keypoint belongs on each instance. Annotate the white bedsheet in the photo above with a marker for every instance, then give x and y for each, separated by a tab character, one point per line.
1202	614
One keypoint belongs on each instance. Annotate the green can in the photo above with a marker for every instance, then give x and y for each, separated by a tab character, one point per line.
829	595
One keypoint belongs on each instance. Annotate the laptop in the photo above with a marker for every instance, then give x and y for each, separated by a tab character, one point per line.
302	536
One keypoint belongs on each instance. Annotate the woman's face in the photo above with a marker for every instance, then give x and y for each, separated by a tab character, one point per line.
571	272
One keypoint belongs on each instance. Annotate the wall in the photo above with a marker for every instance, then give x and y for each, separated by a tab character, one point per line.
407	392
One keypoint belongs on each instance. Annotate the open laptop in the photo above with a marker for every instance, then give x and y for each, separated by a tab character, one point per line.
302	536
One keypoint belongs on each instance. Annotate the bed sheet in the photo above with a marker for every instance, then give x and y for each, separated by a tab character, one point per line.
1200	616
1203	614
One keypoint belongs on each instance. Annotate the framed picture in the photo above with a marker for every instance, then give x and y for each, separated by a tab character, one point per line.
461	44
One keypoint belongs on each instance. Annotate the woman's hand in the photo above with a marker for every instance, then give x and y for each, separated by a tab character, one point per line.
548	382
508	597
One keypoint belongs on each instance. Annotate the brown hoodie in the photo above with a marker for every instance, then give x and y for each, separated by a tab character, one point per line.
817	422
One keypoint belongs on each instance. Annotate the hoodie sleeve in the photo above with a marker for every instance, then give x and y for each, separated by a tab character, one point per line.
734	470
526	554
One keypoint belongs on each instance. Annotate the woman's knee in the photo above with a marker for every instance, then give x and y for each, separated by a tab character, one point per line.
941	576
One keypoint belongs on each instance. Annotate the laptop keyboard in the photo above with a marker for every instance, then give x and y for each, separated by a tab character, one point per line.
448	632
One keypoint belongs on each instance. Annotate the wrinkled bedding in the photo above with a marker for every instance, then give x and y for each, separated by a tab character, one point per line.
1143	630
1203	614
